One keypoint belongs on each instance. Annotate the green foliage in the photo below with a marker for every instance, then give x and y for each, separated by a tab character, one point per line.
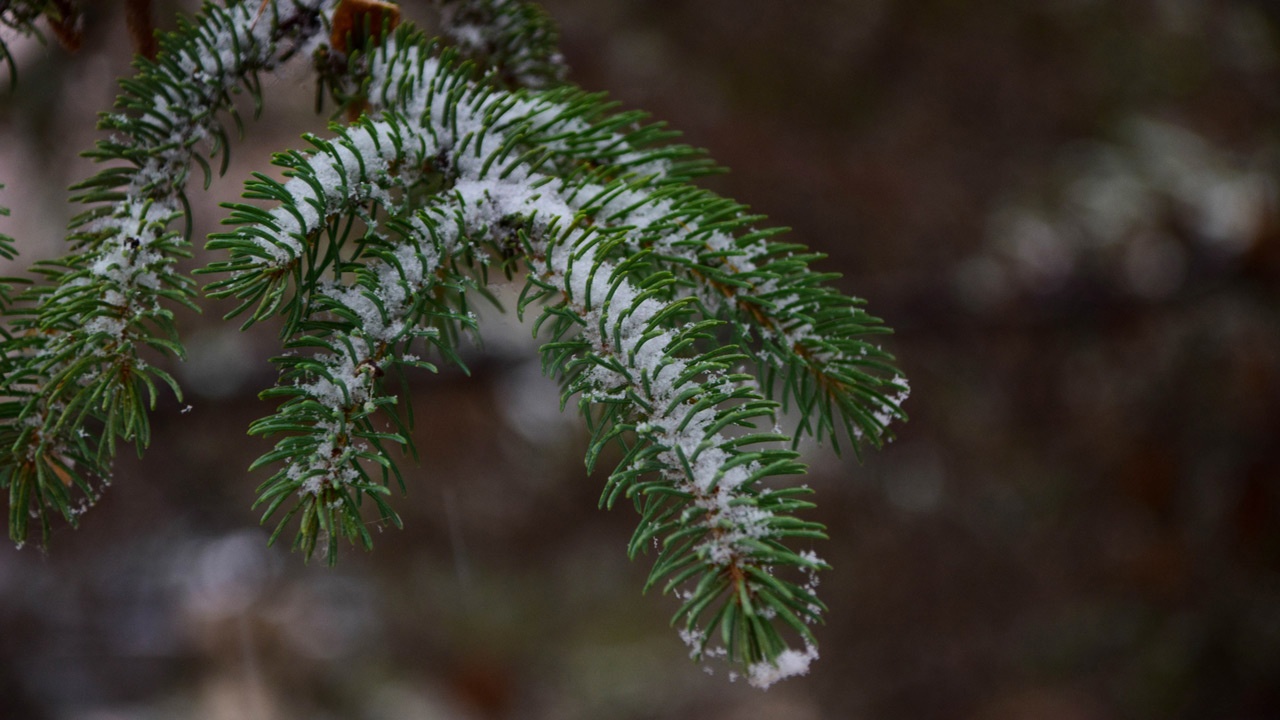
652	294
80	382
7	250
515	42
19	16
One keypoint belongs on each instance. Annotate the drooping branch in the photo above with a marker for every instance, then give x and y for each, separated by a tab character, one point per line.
622	346
655	294
78	356
810	343
810	337
389	287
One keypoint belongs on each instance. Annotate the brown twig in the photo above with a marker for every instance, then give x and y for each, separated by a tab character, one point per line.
356	20
360	25
65	20
137	15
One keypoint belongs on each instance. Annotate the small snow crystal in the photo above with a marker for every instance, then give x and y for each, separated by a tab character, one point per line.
789	664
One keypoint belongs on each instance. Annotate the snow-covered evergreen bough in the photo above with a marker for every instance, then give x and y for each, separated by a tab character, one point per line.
469	158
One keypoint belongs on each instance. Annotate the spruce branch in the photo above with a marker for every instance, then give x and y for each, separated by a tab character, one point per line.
79	369
655	295
394	284
809	341
623	340
516	41
720	534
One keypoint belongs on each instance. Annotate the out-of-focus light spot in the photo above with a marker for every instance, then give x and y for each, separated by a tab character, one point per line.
530	404
1232	210
1110	203
228	574
1042	258
1131	213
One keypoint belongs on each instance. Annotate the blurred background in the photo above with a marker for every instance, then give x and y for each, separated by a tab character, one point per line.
1067	210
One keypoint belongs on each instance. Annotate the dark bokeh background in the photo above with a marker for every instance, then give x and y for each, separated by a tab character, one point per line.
1067	209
